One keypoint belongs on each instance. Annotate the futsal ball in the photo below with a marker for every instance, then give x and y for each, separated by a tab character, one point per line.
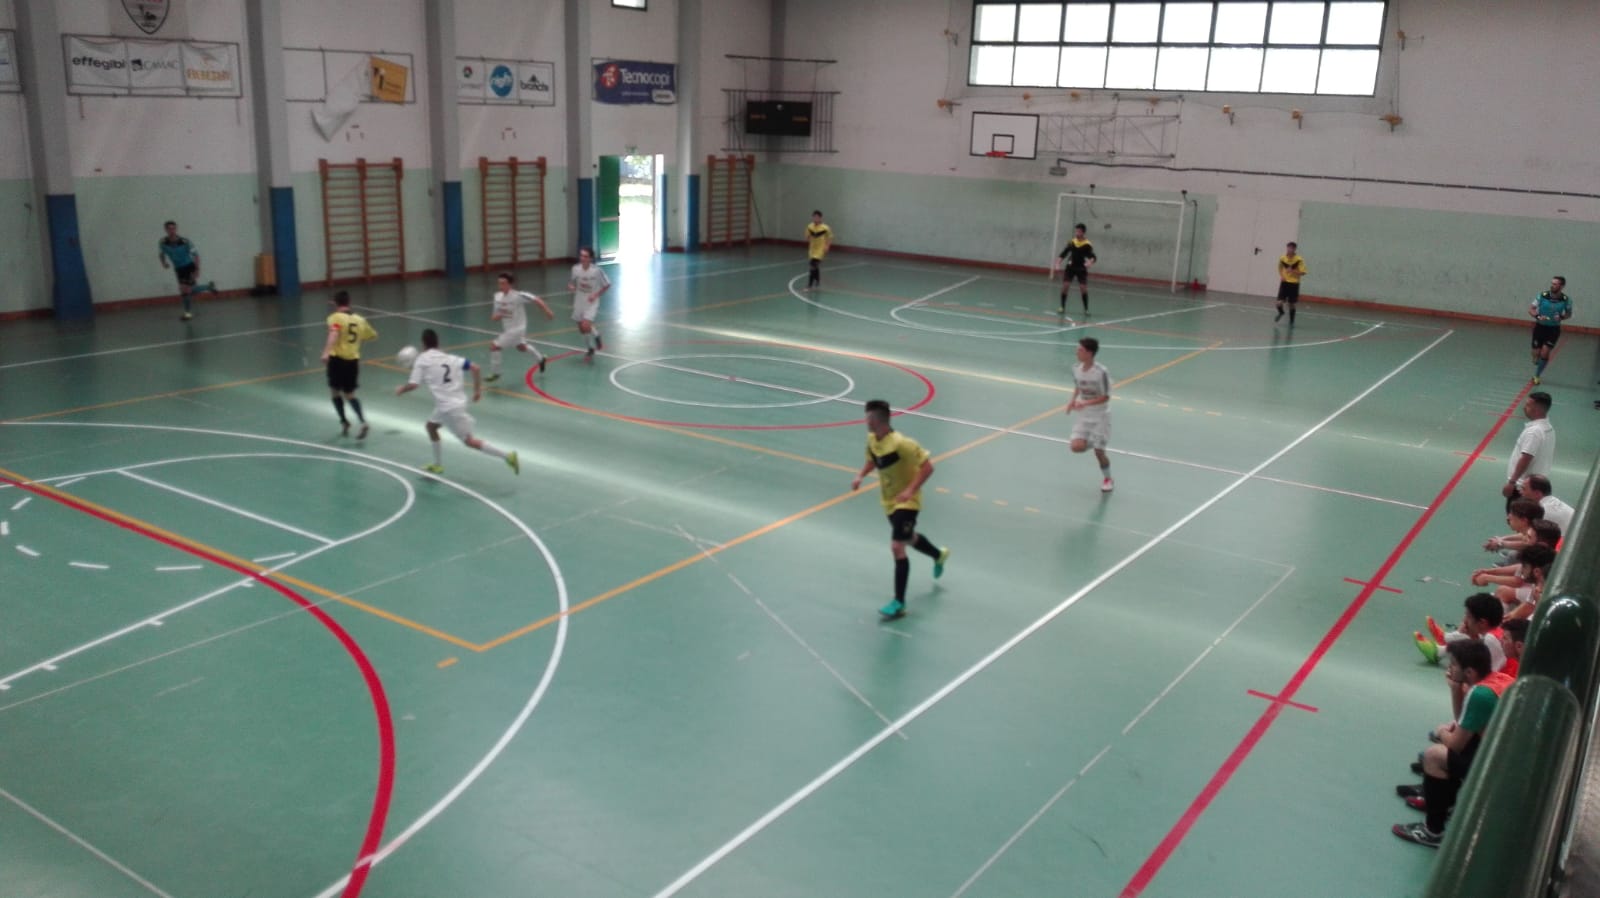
406	356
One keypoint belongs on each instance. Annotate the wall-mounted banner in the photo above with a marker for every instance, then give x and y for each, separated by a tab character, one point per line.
143	17
505	82
112	66
389	80
9	81
629	82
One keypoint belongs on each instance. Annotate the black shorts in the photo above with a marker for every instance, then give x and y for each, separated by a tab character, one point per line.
1288	291
343	374
903	525
1459	763
1081	275
187	274
1546	335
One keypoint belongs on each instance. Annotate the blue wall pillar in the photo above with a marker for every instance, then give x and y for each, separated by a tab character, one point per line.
286	255
455	232
691	239
586	216
69	293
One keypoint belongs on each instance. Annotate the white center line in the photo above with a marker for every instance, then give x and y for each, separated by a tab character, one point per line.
849	760
217	503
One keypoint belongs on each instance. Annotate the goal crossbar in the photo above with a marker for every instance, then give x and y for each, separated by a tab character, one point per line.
1177	240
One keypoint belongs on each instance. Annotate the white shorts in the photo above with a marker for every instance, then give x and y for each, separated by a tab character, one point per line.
1095	431
583	310
511	339
455	420
1525	594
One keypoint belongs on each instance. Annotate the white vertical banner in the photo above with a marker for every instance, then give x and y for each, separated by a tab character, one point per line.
96	66
155	67
470	79
212	69
8	61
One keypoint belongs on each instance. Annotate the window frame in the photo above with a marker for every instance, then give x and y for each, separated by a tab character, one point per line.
1264	45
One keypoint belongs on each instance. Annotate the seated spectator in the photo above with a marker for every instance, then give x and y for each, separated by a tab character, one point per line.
1520	514
1537	488
1445	765
1480	620
1514	638
1518	586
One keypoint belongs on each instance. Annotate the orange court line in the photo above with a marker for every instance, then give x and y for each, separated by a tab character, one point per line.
312	587
170	395
713	551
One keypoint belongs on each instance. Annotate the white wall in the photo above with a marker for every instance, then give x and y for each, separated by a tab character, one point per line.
507	29
13	117
649	35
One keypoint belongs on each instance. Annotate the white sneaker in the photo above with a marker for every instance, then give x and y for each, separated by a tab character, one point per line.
1106	485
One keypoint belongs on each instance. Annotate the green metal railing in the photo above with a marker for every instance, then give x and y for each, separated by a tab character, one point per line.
1510	828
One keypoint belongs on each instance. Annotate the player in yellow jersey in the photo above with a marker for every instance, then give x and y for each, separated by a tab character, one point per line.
903	467
1078	257
819	239
342	354
1291	268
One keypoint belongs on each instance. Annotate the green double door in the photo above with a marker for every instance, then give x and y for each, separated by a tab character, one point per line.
608	207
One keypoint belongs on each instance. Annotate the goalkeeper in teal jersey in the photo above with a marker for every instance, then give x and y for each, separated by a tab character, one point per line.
1548	310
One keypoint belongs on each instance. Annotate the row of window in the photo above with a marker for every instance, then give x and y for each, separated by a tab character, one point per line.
1251	46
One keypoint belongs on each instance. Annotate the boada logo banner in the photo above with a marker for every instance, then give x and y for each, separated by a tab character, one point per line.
536	83
148	15
630	83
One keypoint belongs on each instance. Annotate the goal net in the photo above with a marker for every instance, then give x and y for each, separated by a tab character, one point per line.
1134	237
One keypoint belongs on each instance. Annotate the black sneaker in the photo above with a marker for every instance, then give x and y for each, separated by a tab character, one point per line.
344	428
542	362
599	341
1407	790
1418	833
1279	316
1416	767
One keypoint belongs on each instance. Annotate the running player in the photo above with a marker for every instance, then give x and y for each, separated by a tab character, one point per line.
342	354
178	253
588	284
903	467
1079	256
1291	268
513	320
819	239
1091	398
1548	310
444	373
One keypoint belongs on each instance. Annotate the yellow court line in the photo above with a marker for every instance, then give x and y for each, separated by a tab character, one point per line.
241	562
170	395
713	551
710	438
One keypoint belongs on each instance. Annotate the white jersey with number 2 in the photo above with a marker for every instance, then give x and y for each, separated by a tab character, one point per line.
445	377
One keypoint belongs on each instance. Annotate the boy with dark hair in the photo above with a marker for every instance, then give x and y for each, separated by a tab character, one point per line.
1079	256
819	239
903	467
1091	398
342	354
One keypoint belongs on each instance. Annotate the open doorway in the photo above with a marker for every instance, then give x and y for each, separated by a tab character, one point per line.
626	198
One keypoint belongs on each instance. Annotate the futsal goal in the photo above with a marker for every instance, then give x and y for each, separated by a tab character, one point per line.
1134	236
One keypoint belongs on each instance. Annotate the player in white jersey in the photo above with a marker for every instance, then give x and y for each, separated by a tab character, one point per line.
444	376
588	284
1091	399
513	318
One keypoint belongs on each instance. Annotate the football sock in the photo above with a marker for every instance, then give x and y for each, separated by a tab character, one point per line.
1105	471
356	405
438	452
490	450
1440	797
338	406
902	573
926	547
494	362
1538	367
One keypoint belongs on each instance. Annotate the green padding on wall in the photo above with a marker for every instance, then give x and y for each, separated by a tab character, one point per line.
984	219
119	220
25	285
1480	264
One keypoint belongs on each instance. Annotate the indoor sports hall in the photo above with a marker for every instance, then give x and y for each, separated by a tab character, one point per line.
247	650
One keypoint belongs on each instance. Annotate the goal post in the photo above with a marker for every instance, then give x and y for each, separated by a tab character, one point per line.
1148	233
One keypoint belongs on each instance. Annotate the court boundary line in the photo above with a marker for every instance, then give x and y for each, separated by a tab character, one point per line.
83	843
379	813
1126	729
224	506
1175	836
849	760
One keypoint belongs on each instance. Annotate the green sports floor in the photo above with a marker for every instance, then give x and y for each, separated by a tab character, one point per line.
243	655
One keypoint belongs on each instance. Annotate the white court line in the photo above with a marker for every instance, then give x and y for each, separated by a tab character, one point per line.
89	566
543	686
21	503
66	483
49	664
168	568
27	551
278	557
1004	648
218	503
799	640
5	528
1039	814
104	858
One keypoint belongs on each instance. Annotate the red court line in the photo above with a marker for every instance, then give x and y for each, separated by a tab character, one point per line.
1365	583
927	396
1180	830
1274	698
380	700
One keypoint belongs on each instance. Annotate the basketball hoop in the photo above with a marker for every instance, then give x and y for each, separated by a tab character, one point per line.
998	154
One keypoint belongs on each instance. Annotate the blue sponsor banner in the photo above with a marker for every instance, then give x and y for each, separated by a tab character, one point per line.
626	82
